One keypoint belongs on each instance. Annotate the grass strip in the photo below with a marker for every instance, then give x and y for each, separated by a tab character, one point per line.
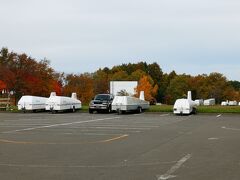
169	109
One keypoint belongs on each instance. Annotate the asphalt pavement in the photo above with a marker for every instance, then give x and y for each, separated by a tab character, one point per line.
72	146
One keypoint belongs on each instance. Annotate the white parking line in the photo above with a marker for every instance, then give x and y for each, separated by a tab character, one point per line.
114	128
62	124
122	125
23	125
233	129
106	130
84	166
213	138
173	169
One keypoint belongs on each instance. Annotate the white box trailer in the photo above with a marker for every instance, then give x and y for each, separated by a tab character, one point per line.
199	102
127	86
31	103
60	103
123	104
225	103
209	102
185	106
233	103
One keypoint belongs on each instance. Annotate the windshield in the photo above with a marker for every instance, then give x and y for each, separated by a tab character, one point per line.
102	97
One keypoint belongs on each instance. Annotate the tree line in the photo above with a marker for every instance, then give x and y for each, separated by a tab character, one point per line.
26	75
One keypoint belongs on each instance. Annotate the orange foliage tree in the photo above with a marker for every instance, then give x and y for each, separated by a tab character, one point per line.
82	85
146	84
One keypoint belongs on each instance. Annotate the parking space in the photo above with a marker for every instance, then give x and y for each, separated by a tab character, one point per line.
108	146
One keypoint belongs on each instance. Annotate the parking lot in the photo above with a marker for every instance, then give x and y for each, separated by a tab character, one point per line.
119	147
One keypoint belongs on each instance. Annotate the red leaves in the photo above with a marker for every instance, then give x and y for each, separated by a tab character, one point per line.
2	85
57	87
25	75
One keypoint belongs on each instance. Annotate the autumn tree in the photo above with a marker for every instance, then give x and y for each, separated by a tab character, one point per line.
150	90
81	84
25	75
2	85
216	84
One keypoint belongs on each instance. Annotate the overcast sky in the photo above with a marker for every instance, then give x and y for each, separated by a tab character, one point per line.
188	36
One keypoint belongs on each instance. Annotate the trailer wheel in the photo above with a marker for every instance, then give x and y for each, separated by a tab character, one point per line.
109	109
53	111
24	110
73	109
194	111
119	111
139	110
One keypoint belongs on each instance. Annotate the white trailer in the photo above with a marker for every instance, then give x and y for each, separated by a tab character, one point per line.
185	106
123	104
199	102
233	103
61	103
209	102
123	86
225	103
31	103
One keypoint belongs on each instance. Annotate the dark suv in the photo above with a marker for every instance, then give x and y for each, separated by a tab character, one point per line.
101	102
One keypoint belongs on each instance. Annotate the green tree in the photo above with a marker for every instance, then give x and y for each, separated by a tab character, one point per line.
137	75
235	85
119	76
101	81
178	88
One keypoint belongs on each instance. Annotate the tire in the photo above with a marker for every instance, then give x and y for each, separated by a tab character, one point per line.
119	111
90	111
194	111
24	110
109	110
139	109
54	111
73	109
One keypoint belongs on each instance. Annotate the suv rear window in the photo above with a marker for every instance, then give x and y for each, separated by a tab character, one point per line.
102	97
